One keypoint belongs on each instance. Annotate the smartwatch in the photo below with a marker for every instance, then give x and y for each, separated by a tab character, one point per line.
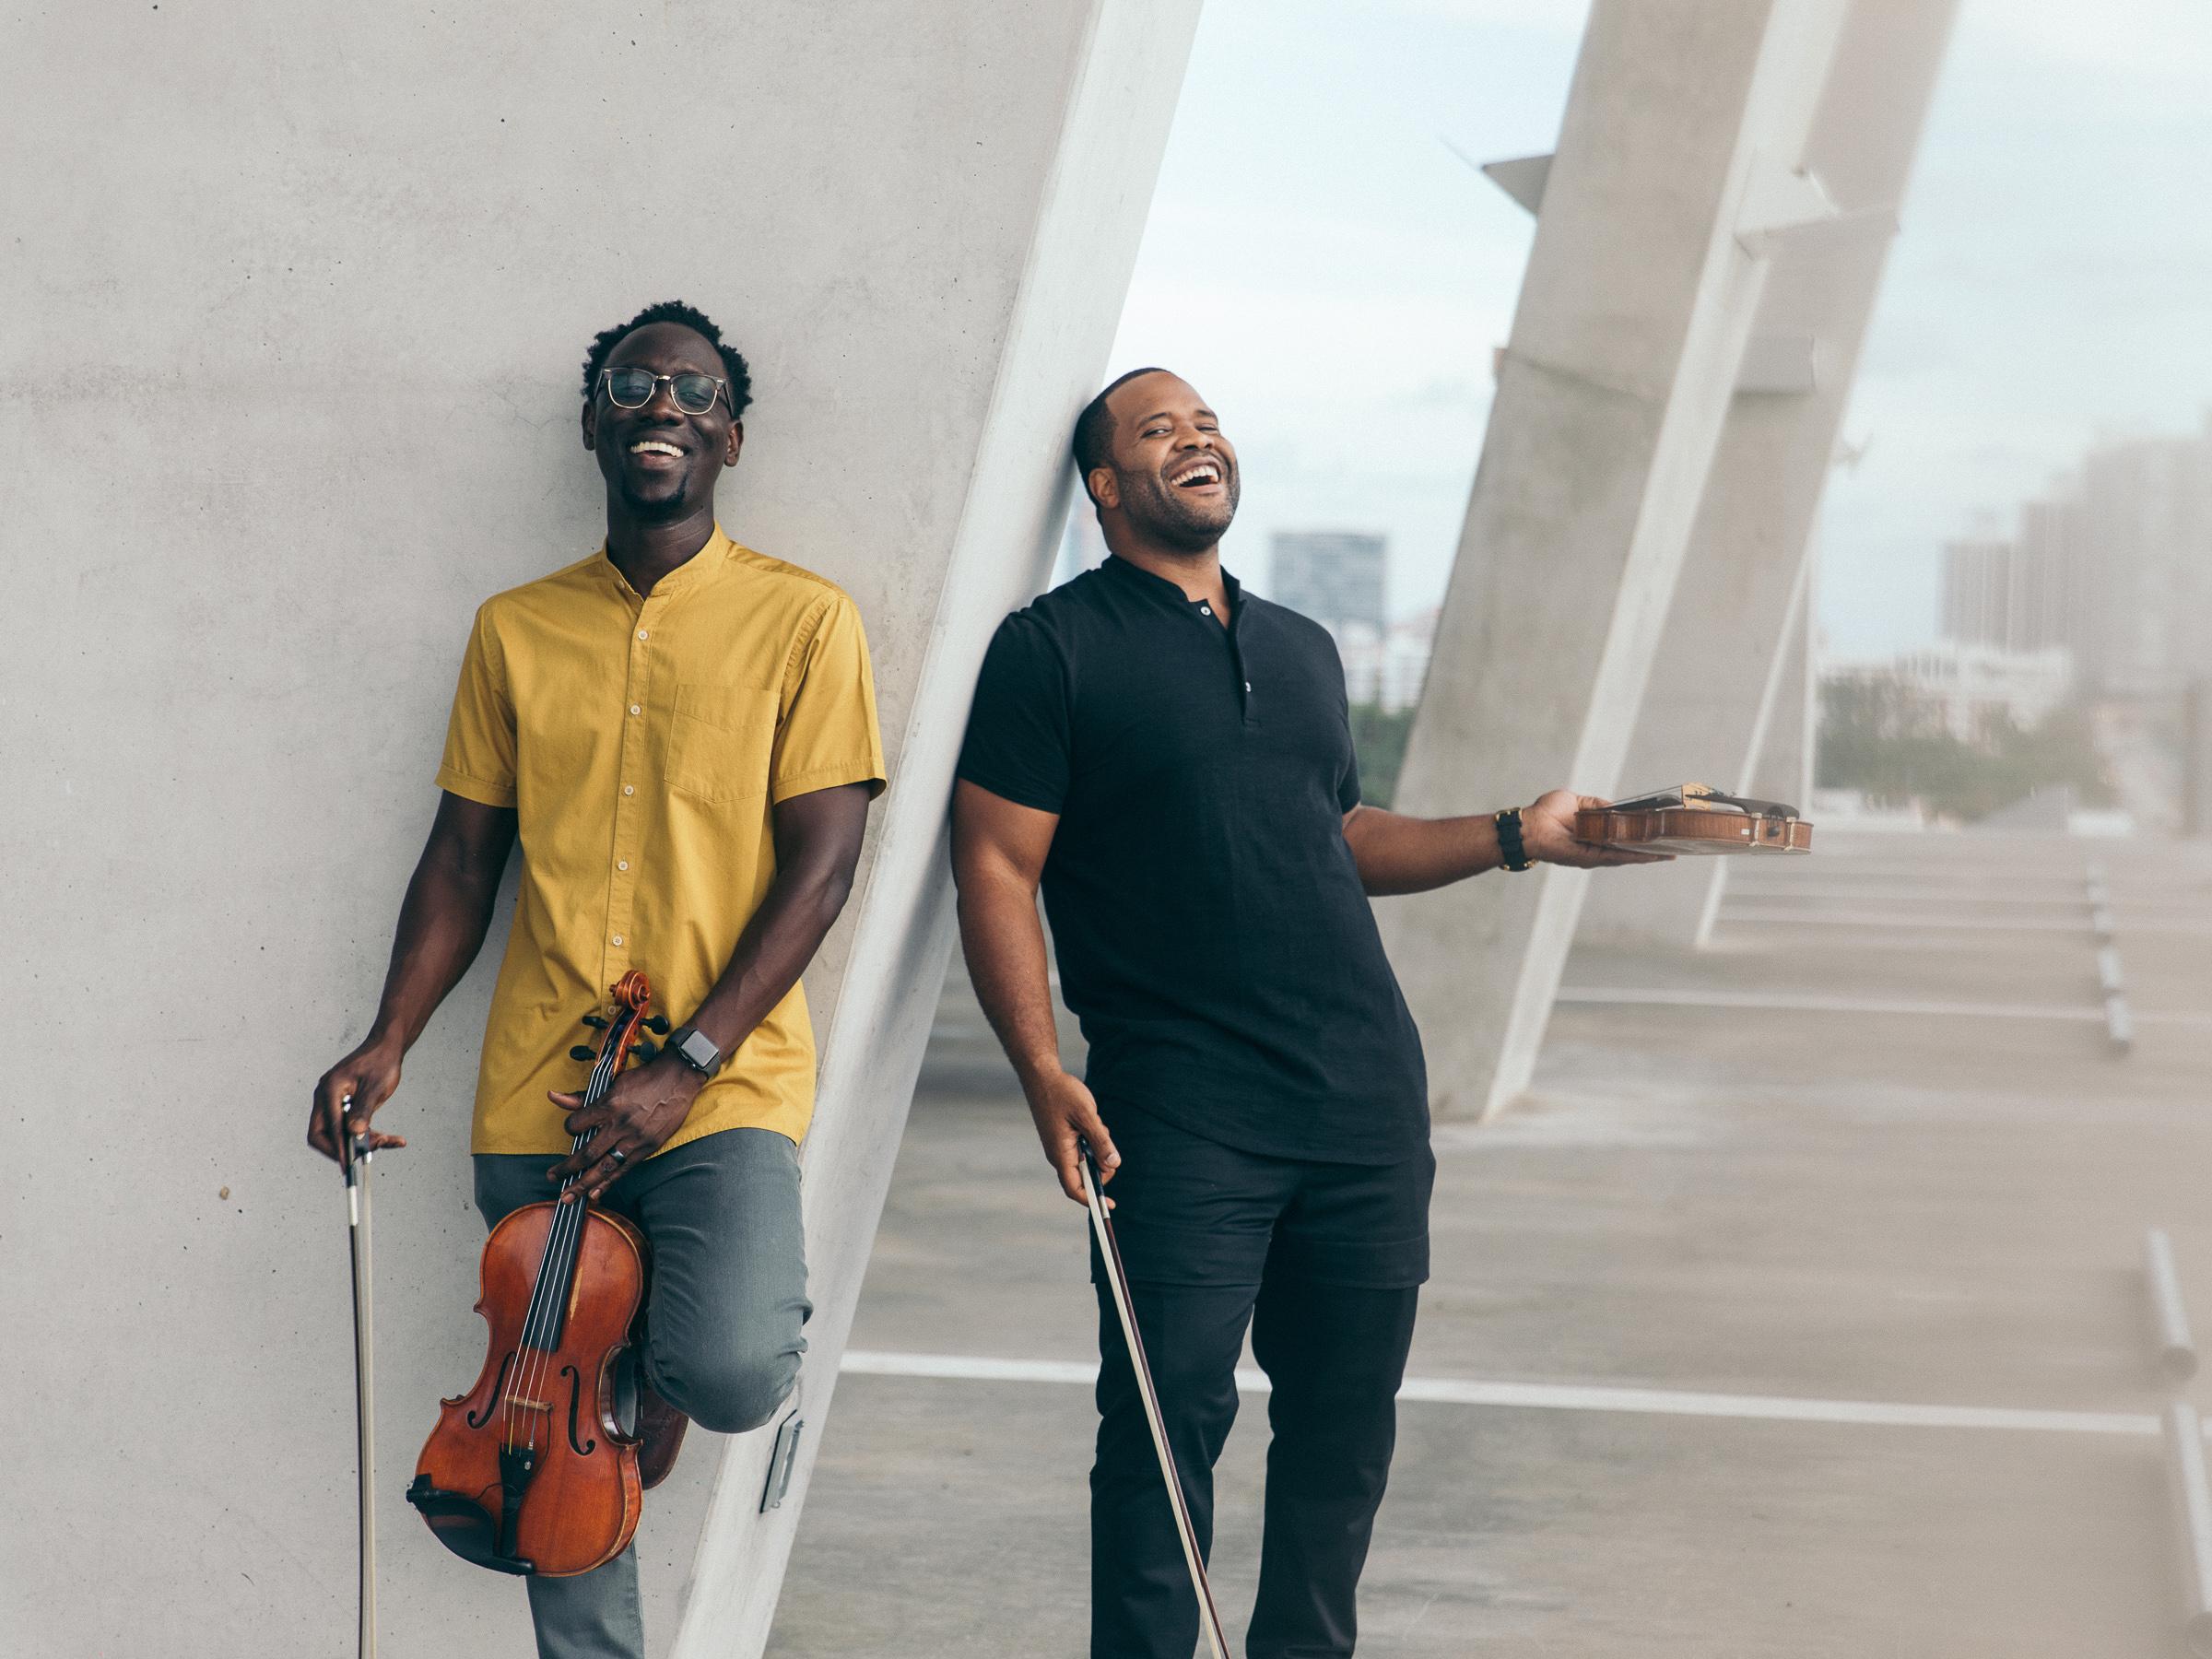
695	1049
1509	849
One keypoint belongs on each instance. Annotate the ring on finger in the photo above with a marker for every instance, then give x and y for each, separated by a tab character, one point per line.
617	1156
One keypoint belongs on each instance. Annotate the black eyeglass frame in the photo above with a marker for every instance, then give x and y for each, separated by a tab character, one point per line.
722	387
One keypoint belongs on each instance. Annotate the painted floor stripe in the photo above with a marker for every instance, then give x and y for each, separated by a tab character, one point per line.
1732	915
1806	1002
1902	895
1811	1003
1558	1397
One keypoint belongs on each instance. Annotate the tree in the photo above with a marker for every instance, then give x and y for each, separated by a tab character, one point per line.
1884	736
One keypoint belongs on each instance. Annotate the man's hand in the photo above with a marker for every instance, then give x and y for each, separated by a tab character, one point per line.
348	1094
645	1106
1548	834
1066	1113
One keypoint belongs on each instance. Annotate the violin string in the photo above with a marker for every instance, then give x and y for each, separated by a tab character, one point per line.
531	1372
539	1289
556	1263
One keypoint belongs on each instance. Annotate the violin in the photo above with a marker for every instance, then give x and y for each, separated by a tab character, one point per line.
528	1471
1695	818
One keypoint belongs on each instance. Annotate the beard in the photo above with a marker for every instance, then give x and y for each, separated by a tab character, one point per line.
1167	515
655	509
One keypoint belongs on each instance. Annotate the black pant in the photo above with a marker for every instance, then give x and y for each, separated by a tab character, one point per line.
1323	1262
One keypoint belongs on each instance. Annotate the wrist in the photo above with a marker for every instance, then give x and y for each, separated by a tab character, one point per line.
684	1078
1039	1075
386	1038
1512	844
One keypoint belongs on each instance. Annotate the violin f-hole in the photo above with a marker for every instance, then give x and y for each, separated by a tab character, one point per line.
575	1378
499	1390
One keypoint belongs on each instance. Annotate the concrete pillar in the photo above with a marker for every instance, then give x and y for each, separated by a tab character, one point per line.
1742	604
296	346
1675	177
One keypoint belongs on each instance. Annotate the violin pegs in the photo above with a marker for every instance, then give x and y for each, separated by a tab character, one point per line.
582	1052
644	1051
597	1021
657	1024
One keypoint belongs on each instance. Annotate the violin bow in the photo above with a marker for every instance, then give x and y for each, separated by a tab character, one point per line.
1117	1279
355	1162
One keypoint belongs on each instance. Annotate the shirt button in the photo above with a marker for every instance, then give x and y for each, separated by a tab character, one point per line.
1205	610
617	939
1247	685
635	710
641	633
630	789
621	863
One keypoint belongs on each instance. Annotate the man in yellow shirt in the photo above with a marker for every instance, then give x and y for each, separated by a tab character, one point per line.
681	732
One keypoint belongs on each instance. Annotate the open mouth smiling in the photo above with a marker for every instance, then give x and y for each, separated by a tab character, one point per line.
1198	475
657	451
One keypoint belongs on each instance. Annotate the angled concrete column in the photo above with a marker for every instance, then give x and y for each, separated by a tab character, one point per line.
1676	178
298	336
1781	763
1741	604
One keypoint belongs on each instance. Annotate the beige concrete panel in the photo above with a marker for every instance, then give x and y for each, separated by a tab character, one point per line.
1640	294
299	297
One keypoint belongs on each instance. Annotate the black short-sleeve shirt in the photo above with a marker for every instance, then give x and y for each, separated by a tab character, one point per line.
1212	934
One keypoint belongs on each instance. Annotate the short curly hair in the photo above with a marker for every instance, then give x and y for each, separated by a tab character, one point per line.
689	316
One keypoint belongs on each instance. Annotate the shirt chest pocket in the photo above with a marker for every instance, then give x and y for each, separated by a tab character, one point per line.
721	741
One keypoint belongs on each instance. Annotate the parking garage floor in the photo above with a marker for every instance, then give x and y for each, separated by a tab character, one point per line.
1798	1310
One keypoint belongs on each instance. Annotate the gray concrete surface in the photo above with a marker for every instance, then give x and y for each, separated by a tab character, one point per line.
298	295
1805	1206
1676	167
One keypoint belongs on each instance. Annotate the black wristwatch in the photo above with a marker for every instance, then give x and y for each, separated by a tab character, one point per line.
1509	849
695	1049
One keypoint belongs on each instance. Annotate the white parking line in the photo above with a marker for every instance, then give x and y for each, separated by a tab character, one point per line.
1558	1396
1808	1002
1815	1003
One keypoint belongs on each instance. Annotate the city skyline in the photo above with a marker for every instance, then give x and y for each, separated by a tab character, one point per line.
1335	278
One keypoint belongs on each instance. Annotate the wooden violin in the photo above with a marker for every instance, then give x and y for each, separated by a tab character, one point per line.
528	1472
1695	818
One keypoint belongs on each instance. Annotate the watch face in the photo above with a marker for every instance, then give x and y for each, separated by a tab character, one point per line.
700	1050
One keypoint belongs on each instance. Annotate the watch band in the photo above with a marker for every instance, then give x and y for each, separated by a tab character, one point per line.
695	1049
1515	855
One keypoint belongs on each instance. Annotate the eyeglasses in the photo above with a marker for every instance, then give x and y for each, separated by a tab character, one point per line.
633	389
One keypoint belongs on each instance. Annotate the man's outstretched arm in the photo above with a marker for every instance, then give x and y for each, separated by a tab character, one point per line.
998	852
441	926
1401	855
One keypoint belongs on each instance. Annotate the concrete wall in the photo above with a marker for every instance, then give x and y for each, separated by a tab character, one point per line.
297	297
1676	160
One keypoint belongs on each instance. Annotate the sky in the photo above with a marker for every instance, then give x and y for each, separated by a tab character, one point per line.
1334	278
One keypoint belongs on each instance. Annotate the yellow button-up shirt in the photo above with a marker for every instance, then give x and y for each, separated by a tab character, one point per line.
643	742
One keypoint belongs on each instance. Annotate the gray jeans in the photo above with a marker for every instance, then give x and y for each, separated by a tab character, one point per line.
724	1307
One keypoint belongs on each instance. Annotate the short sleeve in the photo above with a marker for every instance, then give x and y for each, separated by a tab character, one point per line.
1017	739
826	734
479	762
1348	776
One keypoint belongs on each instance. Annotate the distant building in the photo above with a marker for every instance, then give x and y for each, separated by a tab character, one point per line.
2014	595
1332	576
1974	688
2114	565
1386	669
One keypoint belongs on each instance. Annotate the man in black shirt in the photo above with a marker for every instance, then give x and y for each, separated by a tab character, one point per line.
1172	759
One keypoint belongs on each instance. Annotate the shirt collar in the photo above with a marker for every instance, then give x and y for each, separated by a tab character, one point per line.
699	567
1161	587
